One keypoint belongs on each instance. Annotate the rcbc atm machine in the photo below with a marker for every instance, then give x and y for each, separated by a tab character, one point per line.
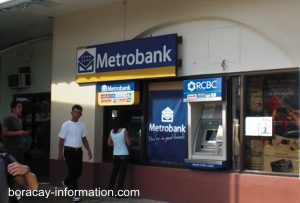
206	118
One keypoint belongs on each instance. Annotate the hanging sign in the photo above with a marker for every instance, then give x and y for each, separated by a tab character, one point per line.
207	89
119	93
166	127
150	57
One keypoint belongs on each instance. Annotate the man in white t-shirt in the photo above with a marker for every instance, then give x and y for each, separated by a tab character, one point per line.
72	137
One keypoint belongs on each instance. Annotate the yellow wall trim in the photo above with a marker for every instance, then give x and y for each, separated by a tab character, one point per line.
169	71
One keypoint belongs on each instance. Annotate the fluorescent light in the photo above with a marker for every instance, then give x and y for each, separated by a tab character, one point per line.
3	1
13	3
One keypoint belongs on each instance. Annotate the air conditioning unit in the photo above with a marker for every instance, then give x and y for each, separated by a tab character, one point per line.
20	80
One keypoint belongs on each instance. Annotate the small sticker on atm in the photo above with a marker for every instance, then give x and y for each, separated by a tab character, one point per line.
192	96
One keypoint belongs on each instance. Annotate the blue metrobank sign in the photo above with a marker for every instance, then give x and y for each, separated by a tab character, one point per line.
207	89
133	59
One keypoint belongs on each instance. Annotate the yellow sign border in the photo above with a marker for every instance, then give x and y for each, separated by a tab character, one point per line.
169	71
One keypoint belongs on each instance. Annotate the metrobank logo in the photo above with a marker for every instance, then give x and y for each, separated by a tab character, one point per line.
167	115
104	88
86	60
117	87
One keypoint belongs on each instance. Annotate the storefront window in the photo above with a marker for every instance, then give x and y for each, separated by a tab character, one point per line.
272	123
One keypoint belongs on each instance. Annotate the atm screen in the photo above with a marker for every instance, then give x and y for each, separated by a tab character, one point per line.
211	135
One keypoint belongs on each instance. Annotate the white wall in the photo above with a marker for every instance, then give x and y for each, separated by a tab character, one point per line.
40	64
249	35
277	20
207	42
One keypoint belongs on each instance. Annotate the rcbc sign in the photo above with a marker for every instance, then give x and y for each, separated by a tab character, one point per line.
208	89
202	85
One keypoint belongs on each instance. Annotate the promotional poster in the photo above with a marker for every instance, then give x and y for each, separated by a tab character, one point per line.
166	127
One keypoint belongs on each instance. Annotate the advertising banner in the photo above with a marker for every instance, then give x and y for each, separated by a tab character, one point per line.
281	101
166	127
132	59
207	89
118	93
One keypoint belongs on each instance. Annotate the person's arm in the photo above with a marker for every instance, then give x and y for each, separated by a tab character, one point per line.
22	175
87	146
61	143
127	139
6	132
109	141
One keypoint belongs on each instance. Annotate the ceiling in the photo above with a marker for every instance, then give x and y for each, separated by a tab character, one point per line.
34	22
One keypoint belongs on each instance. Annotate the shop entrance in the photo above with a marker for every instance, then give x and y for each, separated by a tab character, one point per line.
131	119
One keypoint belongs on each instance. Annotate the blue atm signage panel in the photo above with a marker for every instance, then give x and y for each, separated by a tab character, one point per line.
118	93
150	57
207	89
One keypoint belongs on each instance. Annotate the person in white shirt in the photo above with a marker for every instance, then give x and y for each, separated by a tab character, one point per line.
71	138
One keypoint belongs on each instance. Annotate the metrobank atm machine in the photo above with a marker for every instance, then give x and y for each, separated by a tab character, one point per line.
206	118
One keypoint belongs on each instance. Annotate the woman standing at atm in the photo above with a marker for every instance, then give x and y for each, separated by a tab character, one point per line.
119	140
